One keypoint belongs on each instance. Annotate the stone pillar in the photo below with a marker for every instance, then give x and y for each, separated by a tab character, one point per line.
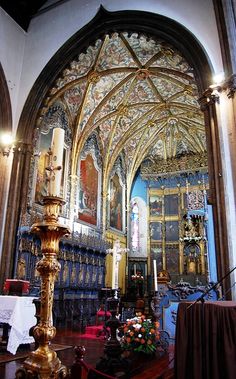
218	105
5	171
17	201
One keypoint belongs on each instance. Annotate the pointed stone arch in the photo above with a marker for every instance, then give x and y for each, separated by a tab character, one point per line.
5	104
109	22
5	126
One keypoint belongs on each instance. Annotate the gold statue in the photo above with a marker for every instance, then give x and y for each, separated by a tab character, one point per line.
21	268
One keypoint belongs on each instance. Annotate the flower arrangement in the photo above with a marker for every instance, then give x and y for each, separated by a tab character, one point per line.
137	277
140	335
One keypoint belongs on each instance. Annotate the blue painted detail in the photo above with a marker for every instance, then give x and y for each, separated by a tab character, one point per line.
211	246
169	305
139	188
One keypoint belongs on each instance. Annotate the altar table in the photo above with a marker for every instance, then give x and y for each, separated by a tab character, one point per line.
19	313
205	340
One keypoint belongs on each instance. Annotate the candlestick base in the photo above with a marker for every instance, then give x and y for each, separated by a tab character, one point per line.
113	362
42	364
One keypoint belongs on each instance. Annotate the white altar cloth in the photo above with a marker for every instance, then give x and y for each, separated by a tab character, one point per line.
19	313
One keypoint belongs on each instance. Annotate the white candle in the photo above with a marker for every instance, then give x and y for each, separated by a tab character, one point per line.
57	148
113	283
134	269
155	275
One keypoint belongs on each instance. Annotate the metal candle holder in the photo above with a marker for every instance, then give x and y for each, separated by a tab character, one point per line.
43	363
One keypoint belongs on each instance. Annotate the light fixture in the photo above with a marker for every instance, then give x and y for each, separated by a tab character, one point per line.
218	78
6	141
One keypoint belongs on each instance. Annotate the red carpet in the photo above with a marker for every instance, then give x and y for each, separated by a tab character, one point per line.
94	332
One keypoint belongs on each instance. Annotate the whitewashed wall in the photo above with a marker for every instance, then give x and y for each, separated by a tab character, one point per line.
12	47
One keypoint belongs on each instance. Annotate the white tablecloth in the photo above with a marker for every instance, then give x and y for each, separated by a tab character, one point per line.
19	313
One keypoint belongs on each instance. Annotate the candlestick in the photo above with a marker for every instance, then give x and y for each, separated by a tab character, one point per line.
113	283
43	363
155	275
57	148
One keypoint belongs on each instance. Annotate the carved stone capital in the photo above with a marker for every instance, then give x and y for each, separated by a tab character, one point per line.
23	148
231	86
209	97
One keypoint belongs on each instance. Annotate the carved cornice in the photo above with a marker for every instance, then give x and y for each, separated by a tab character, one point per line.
211	95
161	167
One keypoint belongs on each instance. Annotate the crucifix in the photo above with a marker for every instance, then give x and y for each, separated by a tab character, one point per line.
116	252
54	167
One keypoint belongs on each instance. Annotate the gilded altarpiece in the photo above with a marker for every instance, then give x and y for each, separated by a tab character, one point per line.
177	241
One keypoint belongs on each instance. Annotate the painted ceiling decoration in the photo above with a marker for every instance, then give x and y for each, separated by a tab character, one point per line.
138	94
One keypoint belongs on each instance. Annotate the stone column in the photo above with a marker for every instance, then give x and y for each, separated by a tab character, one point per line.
17	201
5	171
218	105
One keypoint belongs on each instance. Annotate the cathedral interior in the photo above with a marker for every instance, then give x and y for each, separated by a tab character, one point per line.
128	104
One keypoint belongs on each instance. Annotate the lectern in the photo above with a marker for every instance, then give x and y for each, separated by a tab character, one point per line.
205	340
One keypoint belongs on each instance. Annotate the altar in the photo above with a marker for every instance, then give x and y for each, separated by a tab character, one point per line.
19	313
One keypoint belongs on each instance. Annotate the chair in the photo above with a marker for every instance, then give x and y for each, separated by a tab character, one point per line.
102	315
15	287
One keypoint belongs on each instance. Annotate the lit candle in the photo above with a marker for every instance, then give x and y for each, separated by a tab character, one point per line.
155	275
57	148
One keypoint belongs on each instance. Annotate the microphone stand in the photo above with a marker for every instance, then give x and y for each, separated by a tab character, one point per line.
201	298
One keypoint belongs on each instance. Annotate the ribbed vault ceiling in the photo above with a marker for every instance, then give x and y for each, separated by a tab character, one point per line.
138	94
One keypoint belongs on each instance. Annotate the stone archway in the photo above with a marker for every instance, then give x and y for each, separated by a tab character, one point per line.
106	22
5	160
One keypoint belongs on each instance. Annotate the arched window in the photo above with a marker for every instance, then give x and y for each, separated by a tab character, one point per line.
135	227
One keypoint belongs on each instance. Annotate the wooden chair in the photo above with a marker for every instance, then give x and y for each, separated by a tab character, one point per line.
102	315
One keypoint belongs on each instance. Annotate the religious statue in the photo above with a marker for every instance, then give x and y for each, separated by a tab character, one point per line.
87	276
81	273
117	254
65	272
94	276
21	268
73	274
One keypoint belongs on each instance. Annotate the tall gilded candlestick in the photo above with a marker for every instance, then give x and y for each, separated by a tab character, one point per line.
43	363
